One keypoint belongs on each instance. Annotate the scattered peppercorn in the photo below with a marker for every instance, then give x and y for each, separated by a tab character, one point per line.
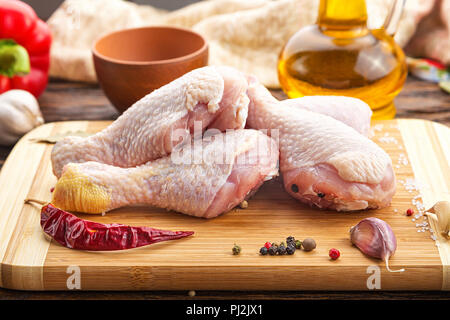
290	249
290	239
294	188
281	250
308	244
267	244
409	212
243	204
236	249
191	293
298	244
263	251
334	253
320	194
273	250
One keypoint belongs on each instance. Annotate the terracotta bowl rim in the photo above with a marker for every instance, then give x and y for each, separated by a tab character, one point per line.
203	48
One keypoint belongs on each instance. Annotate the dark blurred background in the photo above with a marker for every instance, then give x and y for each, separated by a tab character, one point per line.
44	8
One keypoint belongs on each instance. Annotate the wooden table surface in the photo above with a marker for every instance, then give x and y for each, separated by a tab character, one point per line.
78	101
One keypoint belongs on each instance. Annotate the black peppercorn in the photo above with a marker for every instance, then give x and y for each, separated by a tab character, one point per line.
320	194
294	188
273	250
263	251
281	250
290	249
290	241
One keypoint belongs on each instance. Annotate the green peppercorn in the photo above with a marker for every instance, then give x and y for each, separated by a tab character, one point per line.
298	244
263	251
273	250
236	249
290	249
309	244
281	250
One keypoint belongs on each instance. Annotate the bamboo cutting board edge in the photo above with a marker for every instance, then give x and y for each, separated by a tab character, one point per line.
18	273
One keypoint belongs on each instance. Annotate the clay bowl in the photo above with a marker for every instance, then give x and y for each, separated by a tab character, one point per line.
131	63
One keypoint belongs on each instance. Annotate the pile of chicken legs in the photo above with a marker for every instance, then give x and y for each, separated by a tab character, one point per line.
207	141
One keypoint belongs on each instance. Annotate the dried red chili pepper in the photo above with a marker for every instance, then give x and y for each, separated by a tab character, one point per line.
75	233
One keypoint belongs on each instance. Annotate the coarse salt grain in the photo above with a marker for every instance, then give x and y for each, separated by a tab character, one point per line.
387	139
378	127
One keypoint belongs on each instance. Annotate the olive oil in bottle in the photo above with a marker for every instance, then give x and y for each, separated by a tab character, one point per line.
340	56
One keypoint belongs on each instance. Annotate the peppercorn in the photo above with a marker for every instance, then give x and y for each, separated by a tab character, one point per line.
236	249
309	244
263	251
243	204
191	293
321	195
290	238
294	188
334	253
267	245
282	244
290	249
281	250
409	212
273	250
298	244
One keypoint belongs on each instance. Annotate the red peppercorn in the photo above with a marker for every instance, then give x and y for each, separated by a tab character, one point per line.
409	212
334	254
267	245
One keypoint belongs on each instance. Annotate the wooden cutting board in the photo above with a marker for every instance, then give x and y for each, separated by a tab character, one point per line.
419	150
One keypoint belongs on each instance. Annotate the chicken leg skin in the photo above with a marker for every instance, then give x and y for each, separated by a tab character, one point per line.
351	111
214	97
324	163
203	179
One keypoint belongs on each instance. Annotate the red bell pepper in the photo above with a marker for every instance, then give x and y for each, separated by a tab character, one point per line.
24	48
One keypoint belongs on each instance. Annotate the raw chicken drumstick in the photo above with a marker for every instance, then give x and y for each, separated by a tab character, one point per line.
351	111
203	179
323	162
209	97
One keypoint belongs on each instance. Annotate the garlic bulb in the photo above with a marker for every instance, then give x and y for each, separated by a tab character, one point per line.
19	113
441	212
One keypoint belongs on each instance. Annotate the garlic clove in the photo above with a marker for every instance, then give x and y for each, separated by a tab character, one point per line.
441	212
375	238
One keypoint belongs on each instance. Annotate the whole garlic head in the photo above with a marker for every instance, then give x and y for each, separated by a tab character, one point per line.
19	113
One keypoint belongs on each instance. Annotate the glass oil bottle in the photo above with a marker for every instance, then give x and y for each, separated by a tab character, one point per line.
339	55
